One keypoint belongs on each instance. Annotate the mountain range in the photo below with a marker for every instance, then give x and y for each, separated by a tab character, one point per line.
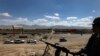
42	27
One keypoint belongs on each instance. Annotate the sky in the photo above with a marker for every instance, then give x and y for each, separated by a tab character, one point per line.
49	12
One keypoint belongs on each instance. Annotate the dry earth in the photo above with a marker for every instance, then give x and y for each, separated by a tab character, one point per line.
74	43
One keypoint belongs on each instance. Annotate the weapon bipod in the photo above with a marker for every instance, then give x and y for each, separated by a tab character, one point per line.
46	50
57	52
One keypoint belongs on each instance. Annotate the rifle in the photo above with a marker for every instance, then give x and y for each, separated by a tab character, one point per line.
58	48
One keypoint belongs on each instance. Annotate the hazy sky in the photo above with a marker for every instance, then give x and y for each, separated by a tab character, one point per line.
49	12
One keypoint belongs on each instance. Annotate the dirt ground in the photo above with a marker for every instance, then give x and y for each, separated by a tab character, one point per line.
74	43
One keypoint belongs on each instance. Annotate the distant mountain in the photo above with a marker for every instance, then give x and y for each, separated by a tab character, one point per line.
5	27
69	27
42	27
